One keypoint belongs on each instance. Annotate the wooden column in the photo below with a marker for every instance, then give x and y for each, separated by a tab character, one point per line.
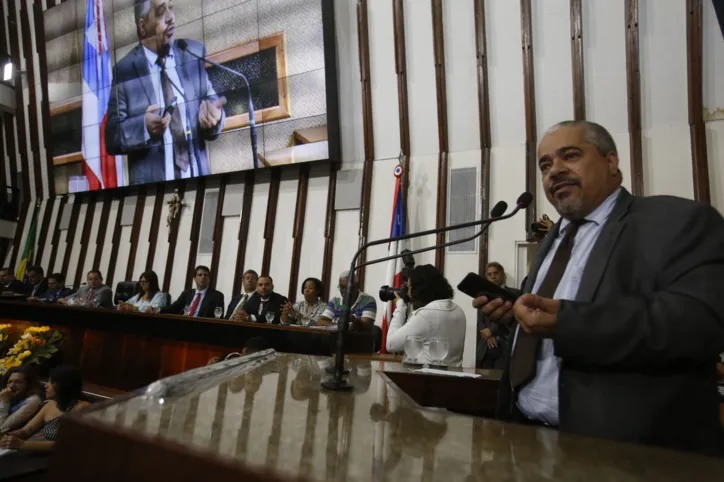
300	211
398	14
195	232
21	134
135	233
156	220
70	235
218	232
442	128
270	221
633	86
56	236
329	228
531	131
244	223
579	85
102	229
43	233
84	238
481	55
33	123
172	238
115	243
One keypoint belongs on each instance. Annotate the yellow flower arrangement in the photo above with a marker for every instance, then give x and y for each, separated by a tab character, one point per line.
36	343
4	333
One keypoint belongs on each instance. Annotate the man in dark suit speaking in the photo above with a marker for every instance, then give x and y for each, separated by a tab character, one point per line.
623	319
162	107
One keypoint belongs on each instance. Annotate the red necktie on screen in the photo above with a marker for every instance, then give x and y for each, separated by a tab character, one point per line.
180	145
195	305
523	361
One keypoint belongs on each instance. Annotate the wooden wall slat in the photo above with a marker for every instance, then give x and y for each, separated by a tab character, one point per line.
481	54
3	176
115	244
244	223
9	128
43	233
20	227
633	87
136	233
155	224
697	129
70	235
363	45
329	228
270	222
442	127
102	229
531	132
56	236
172	238
85	238
3	42
579	85
398	18
21	134
195	232
300	210
34	126
218	235
44	101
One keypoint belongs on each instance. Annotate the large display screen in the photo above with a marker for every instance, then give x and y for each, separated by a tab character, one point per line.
159	90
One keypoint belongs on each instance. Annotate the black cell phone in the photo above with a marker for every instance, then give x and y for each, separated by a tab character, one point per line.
169	108
475	286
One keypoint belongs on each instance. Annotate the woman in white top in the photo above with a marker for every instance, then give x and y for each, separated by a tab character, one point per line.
149	298
434	315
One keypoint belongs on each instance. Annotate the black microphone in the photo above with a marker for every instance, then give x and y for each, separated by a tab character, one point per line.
184	45
338	382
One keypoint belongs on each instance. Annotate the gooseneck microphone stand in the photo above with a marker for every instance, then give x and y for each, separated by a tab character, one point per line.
338	383
183	45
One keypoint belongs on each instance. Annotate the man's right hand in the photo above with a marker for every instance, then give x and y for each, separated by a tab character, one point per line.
496	310
6	395
155	124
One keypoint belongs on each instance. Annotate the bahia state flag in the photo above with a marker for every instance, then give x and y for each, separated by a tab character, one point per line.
102	170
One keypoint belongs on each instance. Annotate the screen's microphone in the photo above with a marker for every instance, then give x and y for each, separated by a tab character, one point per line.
184	45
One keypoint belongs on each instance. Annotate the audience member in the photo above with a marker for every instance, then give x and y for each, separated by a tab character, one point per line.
149	298
200	302
19	399
249	280
38	285
264	306
8	283
435	315
93	294
56	290
493	336
310	307
63	392
362	312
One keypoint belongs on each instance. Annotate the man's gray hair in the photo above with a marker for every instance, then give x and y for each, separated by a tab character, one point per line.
344	275
141	9
595	134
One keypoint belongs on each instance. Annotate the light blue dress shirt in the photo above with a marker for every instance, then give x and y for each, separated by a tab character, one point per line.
539	398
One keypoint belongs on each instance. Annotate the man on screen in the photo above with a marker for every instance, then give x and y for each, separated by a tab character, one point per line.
162	107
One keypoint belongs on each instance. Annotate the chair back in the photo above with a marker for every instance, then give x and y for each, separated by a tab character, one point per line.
124	291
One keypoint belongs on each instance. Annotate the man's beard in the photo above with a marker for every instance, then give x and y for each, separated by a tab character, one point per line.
569	207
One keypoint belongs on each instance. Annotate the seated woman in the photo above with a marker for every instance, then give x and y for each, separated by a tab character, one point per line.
149	298
20	398
434	315
63	391
311	307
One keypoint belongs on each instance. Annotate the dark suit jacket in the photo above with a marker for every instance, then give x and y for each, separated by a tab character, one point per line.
16	287
40	290
212	299
232	304
639	344
275	304
501	331
131	94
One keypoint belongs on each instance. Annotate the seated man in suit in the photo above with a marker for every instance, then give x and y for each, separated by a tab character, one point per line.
8	283
264	306
38	285
493	336
623	316
56	290
200	302
93	295
249	281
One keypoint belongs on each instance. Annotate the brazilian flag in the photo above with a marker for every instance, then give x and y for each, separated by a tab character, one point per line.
28	251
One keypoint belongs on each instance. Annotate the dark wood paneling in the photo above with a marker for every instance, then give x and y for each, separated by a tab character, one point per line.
136	233
481	55
172	239
8	124
102	230
21	134
697	130
155	224
195	232
218	232
579	85
442	127
3	42
56	235
363	44
270	222
44	102
329	227
3	176
300	210
34	126
115	244
90	214
43	233
531	132
70	235
243	230
20	227
633	87
398	16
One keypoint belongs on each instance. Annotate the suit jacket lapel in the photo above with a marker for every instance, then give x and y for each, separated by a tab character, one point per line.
601	252
184	66
140	63
540	255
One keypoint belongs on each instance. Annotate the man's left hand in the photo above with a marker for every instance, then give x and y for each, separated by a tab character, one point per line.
536	315
210	112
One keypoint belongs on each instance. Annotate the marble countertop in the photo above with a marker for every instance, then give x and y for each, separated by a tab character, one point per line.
276	416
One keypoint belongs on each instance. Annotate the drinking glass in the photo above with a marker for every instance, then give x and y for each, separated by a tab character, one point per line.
306	321
439	348
413	348
96	303
218	311
269	316
187	310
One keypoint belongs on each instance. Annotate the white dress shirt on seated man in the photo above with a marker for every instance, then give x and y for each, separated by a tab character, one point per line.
439	318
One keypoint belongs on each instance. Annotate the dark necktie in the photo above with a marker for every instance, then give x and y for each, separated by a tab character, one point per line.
180	144
525	353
